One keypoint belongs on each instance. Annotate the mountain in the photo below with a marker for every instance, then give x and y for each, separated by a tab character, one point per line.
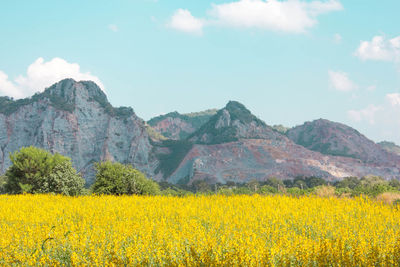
178	126
232	123
76	120
332	138
231	144
234	145
390	147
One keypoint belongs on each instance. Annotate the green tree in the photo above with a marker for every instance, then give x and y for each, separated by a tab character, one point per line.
113	178
35	170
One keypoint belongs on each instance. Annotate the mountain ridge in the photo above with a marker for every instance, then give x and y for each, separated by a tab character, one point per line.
230	144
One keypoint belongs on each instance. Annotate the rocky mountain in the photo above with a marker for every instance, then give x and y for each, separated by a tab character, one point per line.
231	144
178	126
232	123
76	120
332	138
237	146
390	147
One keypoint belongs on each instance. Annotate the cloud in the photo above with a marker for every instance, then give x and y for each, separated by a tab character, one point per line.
379	49
40	75
182	20
294	16
113	27
367	114
341	81
393	99
383	119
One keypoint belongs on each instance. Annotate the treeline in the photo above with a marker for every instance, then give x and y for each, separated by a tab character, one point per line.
371	186
37	171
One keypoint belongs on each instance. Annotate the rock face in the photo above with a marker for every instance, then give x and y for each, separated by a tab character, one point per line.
236	146
179	126
337	139
232	123
76	120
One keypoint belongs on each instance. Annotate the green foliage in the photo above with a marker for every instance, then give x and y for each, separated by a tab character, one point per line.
348	182
3	182
170	162
372	186
118	179
35	170
275	183
64	180
267	190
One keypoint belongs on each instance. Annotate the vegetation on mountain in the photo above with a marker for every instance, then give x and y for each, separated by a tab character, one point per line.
35	171
169	162
390	147
57	96
280	128
113	178
227	133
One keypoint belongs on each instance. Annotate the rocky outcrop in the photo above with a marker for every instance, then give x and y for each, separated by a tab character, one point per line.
260	159
232	123
332	138
76	120
178	126
236	146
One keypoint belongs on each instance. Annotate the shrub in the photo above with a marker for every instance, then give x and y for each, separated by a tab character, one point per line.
118	179
35	170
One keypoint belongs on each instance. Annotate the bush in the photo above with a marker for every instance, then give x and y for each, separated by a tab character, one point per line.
35	170
118	179
266	189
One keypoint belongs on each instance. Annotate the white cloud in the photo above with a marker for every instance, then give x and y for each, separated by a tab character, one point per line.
113	27
394	99
379	49
341	81
382	120
367	114
40	75
294	16
7	87
289	16
183	20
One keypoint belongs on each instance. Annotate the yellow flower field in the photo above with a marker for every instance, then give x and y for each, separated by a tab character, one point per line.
206	231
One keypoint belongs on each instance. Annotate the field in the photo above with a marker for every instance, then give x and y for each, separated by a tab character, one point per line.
208	231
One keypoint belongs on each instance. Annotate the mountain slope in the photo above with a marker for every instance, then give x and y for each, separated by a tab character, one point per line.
232	123
332	138
178	126
76	120
236	146
390	147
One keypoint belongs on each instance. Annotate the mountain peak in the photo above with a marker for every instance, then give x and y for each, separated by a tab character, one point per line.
337	139
232	123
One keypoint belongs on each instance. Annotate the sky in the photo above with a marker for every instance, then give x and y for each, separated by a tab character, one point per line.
288	61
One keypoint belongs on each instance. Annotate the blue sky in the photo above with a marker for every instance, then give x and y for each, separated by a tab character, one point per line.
287	61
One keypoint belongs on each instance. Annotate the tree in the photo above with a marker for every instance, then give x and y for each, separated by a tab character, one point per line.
113	178
35	170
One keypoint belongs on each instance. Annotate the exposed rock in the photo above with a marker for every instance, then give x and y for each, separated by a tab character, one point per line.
332	138
178	126
232	123
76	120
